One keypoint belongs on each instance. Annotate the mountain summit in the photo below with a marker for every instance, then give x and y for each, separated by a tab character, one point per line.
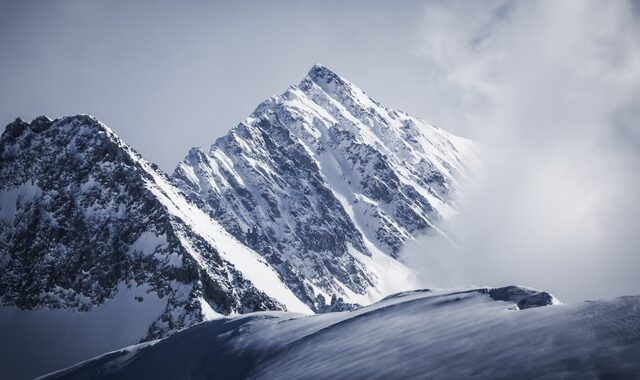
327	185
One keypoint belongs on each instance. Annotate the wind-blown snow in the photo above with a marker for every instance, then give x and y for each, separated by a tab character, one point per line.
443	334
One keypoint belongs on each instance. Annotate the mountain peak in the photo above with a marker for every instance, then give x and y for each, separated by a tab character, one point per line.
321	172
322	75
318	68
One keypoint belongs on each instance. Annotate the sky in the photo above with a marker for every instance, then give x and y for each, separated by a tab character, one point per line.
167	76
550	90
553	91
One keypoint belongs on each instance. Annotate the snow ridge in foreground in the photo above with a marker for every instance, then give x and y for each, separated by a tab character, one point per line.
460	333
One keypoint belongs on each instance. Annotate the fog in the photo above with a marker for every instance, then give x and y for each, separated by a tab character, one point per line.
552	90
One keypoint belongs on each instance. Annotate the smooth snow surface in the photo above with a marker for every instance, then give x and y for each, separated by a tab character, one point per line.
443	334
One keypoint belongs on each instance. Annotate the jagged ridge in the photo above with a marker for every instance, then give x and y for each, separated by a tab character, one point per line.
328	185
82	213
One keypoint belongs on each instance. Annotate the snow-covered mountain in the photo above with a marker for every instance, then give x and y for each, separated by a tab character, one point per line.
327	185
302	207
485	333
93	237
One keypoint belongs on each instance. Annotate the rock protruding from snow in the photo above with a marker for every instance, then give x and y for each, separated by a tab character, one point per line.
337	304
524	298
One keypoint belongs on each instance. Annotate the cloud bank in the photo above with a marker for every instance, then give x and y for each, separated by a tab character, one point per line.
551	90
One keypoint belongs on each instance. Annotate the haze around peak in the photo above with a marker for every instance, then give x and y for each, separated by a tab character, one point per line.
554	89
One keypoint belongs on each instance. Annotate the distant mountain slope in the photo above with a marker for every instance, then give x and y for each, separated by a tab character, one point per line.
328	185
88	229
440	334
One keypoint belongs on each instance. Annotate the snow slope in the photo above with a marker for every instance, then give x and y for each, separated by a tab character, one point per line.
439	334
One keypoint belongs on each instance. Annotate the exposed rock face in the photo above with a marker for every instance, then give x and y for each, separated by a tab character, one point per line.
524	298
327	185
82	214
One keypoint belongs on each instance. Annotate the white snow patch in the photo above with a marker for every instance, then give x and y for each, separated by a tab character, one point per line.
208	311
453	333
244	259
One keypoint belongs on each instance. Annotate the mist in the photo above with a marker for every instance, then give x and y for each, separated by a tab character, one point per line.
551	91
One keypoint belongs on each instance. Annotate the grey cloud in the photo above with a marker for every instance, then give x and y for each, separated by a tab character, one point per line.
551	93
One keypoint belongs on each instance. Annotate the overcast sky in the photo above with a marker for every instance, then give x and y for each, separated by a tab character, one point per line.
551	89
167	76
